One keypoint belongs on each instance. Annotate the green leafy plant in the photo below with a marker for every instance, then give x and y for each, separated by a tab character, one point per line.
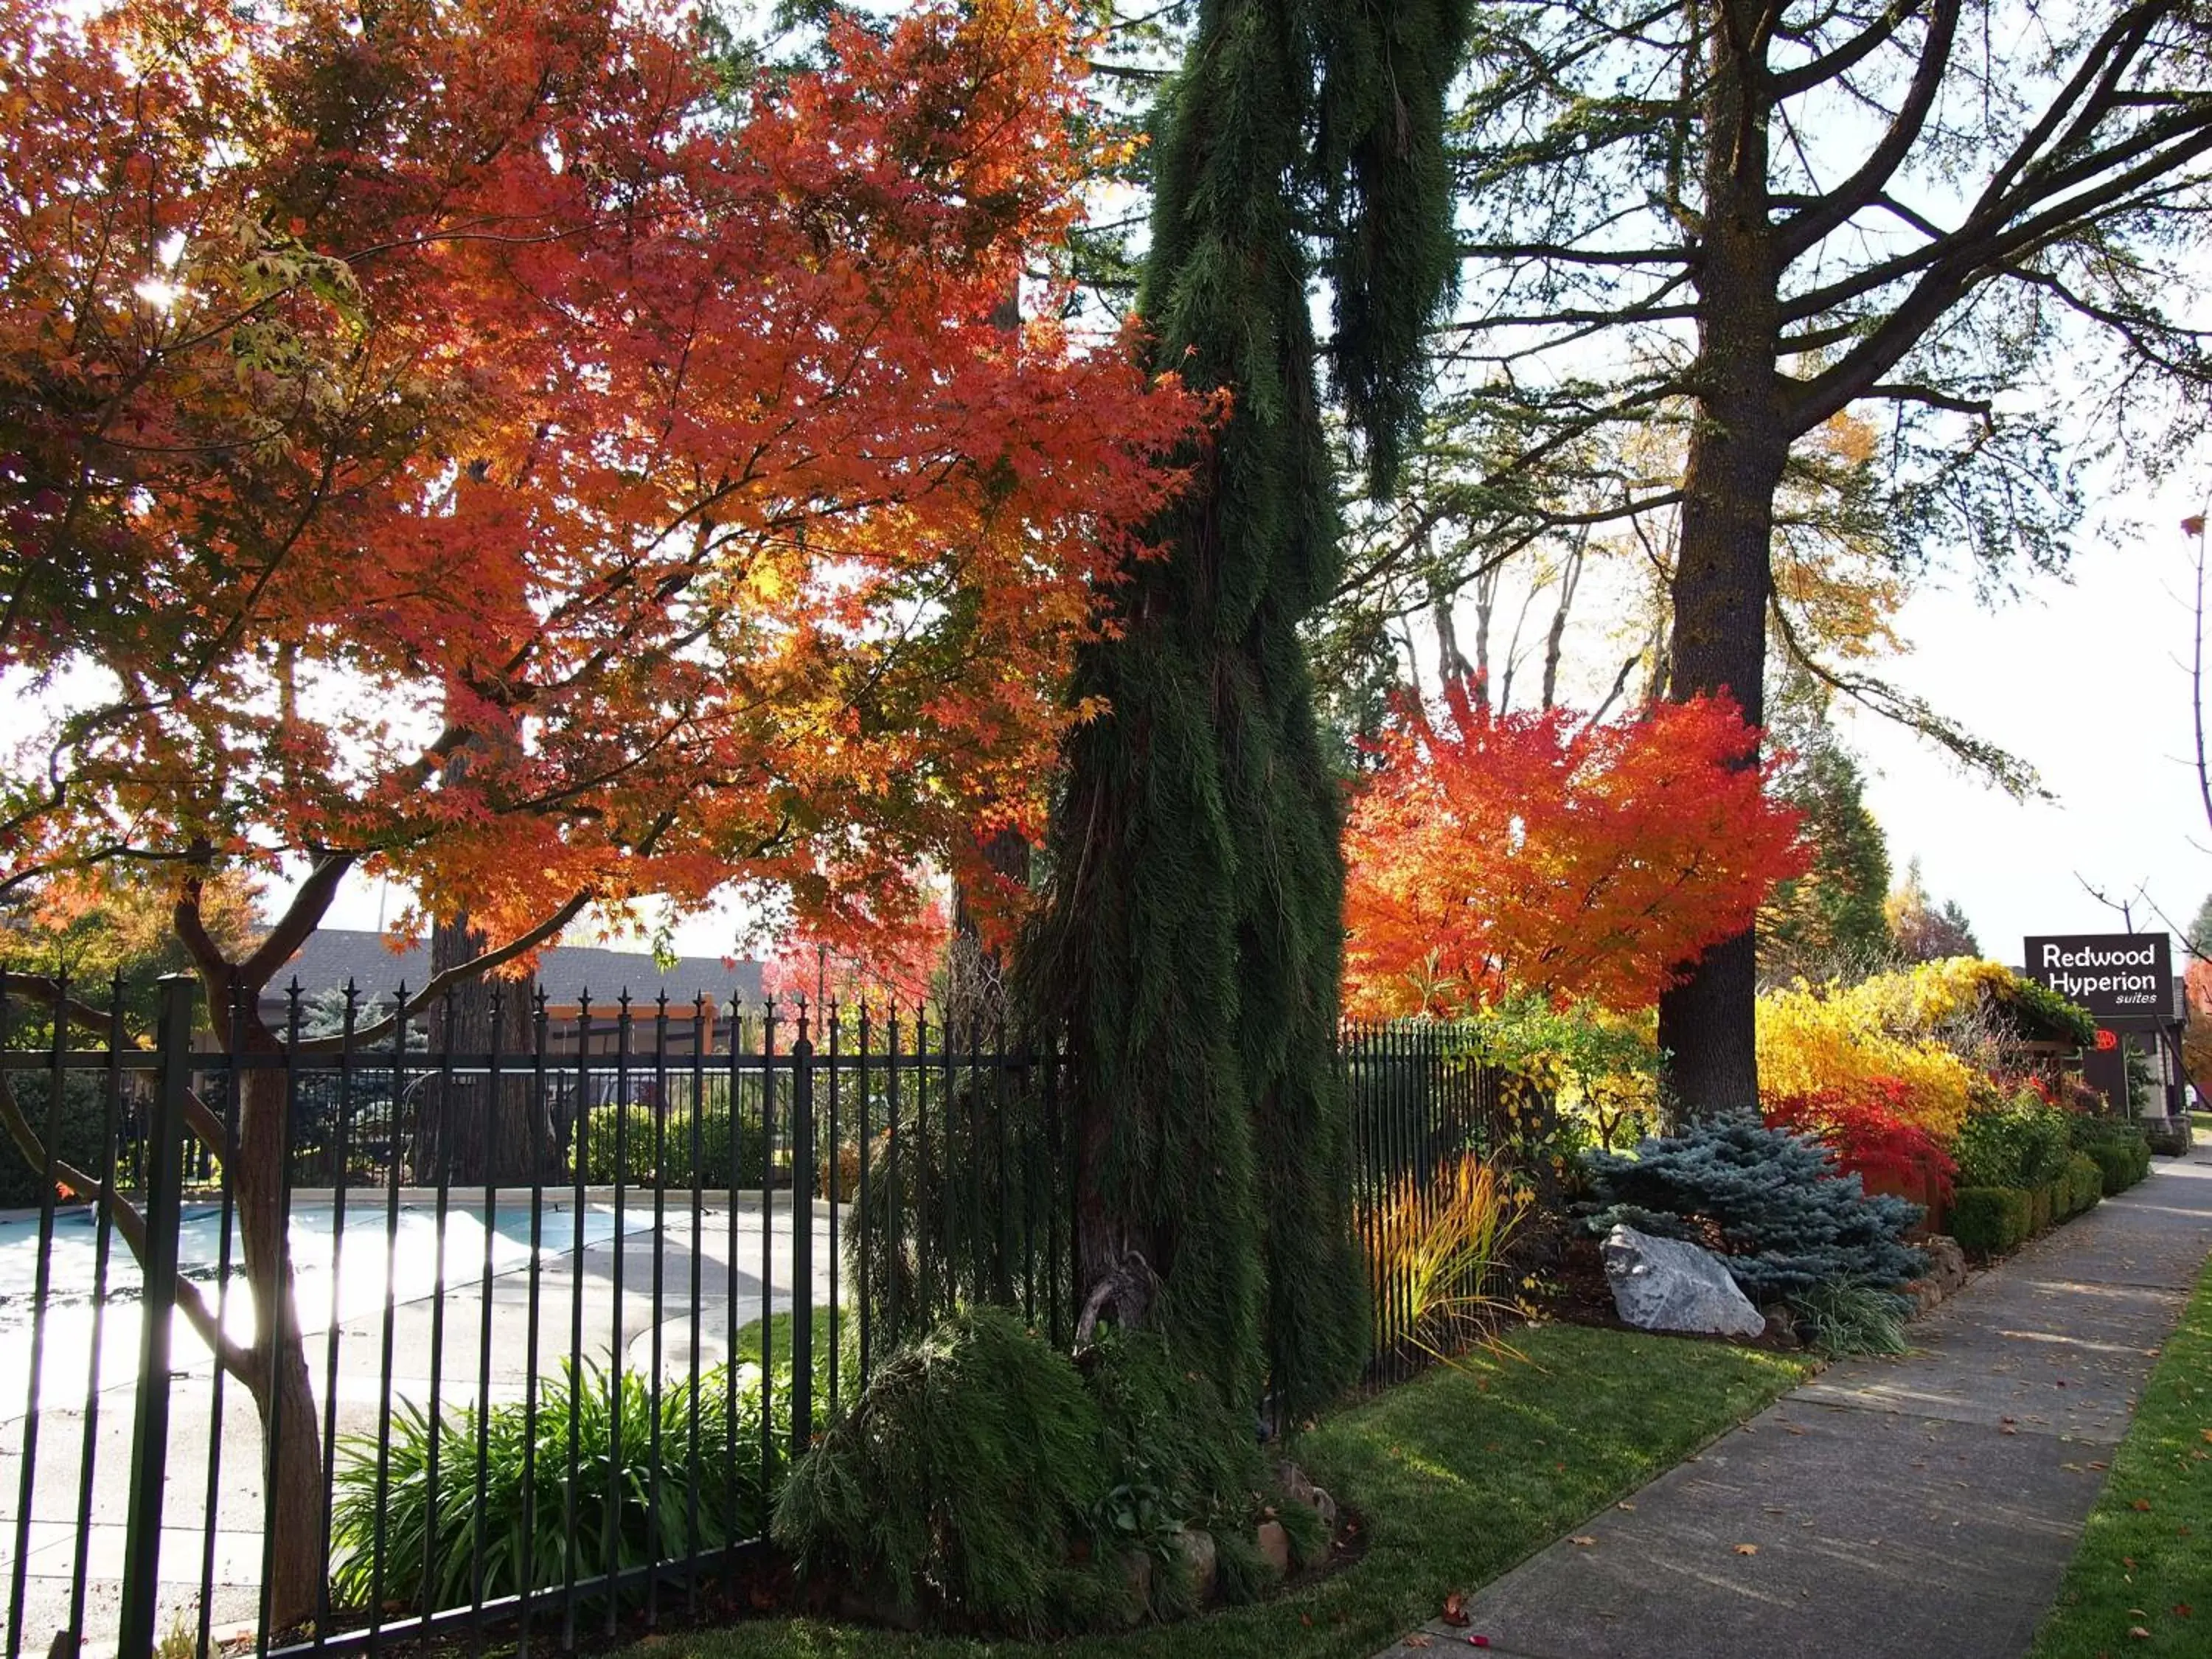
658	1476
1850	1316
2122	1153
2087	1179
968	1472
2022	1143
655	1149
180	1640
1784	1218
83	1142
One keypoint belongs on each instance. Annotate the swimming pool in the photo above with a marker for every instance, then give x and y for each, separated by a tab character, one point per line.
347	1276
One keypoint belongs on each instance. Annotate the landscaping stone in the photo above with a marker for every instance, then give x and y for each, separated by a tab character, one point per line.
1203	1557
1947	1262
1137	1568
1275	1544
1300	1489
1325	1507
1669	1284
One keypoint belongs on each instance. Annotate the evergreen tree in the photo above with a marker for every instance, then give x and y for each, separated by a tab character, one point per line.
1788	1220
2199	942
1193	939
1921	929
1829	920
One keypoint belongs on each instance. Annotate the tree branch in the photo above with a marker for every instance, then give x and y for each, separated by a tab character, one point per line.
233	1359
1805	229
460	974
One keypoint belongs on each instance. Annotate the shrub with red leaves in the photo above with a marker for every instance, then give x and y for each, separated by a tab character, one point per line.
1869	1129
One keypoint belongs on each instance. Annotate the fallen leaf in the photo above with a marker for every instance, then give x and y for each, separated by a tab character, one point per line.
1456	1608
2141	1504
1418	1640
1583	1539
1747	1549
2182	1610
1478	1641
1623	1504
2139	1632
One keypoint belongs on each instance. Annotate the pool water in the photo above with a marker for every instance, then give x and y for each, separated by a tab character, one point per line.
347	1276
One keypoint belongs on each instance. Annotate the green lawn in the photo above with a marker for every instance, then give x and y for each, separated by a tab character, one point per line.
1459	1476
2142	1581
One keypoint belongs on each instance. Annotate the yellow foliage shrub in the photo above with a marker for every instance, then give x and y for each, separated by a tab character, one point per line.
1810	1040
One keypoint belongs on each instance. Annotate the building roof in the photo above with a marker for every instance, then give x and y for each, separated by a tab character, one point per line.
335	956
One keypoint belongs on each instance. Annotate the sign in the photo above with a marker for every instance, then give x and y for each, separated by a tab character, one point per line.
2119	977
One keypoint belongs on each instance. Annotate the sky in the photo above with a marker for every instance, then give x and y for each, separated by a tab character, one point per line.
2087	680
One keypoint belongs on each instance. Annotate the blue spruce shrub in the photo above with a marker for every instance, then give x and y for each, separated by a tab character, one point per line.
1786	1220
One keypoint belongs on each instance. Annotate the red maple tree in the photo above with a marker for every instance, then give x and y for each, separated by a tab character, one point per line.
1541	852
477	443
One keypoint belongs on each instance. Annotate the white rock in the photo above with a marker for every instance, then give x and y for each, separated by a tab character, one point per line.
1667	1285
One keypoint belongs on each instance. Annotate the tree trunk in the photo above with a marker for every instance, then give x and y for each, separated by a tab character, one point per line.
473	1133
278	1378
1722	577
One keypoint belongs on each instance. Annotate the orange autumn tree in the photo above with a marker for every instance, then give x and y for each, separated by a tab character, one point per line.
474	442
1539	852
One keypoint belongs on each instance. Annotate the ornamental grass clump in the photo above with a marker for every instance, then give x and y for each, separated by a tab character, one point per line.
1849	1316
683	1469
1784	1218
1438	1250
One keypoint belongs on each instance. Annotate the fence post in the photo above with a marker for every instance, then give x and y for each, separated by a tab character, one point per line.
802	1240
149	1439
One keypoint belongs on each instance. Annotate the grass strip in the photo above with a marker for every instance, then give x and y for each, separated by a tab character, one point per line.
2140	1582
1459	1474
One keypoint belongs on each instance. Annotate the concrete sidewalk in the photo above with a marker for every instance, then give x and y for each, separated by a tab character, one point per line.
1918	1508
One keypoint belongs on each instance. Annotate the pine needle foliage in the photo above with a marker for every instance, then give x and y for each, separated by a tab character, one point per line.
1193	939
988	1479
966	1472
1787	1220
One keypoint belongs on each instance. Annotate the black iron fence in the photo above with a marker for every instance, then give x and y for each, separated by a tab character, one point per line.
330	1340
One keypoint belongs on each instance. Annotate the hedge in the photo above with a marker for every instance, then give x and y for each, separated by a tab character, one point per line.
1990	1220
2087	1181
2121	1162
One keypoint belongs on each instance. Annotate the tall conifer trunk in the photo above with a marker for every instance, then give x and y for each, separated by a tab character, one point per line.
1738	446
1192	942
